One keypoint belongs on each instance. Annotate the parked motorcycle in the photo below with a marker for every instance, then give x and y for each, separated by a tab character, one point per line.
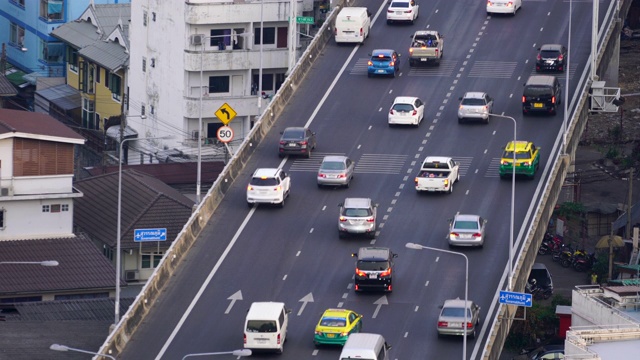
564	252
584	263
538	292
569	259
550	243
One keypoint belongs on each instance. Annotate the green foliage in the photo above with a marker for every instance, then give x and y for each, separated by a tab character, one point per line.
615	133
612	153
540	325
568	210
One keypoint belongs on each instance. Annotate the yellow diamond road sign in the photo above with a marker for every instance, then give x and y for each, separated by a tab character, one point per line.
226	113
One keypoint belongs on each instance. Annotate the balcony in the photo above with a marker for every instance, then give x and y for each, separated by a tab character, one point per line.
228	12
224	60
243	105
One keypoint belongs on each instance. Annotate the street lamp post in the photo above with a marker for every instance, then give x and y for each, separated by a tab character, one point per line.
513	196
119	225
42	263
241	352
58	347
466	288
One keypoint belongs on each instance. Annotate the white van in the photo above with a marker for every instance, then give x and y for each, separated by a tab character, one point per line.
365	346
266	326
352	25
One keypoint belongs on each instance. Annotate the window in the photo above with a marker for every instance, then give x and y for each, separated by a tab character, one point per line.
55	208
98	70
218	84
50	52
144	18
267	81
268	37
17	35
220	38
153	62
153	16
152	109
38	158
144	64
72	59
150	260
46	208
91	77
115	84
2	217
142	110
51	10
18	2
88	113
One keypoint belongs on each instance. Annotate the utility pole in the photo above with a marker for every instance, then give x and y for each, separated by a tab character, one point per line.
627	232
3	60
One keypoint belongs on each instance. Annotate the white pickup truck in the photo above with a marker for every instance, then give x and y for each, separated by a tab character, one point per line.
437	173
426	46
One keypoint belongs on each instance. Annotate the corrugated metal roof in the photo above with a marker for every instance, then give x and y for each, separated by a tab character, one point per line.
108	54
108	16
81	266
26	122
6	87
77	33
146	203
64	96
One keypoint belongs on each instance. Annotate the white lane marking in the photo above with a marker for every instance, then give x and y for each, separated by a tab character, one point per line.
284	278
311	231
416	309
298	253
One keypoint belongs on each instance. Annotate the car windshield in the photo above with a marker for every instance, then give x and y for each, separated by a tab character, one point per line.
455	312
397	4
267	326
373	265
332	165
263	181
465	225
333	322
549	54
293	134
473	102
403	107
357	212
520	155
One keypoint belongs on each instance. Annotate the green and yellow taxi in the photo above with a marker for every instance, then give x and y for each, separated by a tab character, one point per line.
527	159
335	325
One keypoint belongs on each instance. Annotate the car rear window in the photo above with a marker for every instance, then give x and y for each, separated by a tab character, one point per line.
455	312
332	165
380	58
466	225
264	182
397	4
537	91
403	107
357	212
520	155
473	102
263	326
293	134
373	265
549	54
333	322
541	276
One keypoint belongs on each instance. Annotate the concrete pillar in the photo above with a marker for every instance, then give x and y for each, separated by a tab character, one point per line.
611	72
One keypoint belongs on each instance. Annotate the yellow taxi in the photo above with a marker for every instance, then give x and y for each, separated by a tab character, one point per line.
335	325
527	159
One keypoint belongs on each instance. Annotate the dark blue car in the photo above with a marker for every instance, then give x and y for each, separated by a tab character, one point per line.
383	62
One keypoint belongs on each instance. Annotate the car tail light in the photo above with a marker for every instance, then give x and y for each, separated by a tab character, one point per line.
343	219
469	325
442	324
303	143
446	182
318	332
245	338
320	175
561	57
408	11
454	234
539	57
411	51
386	273
361	32
277	188
392	63
505	162
524	99
357	287
436	52
391	111
282	142
370	219
370	63
335	31
278	339
416	181
486	108
360	273
344	333
477	235
510	3
553	99
414	113
340	176
249	187
390	11
526	163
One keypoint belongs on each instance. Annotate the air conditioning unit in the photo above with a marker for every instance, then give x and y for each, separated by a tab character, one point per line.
6	191
131	275
197	39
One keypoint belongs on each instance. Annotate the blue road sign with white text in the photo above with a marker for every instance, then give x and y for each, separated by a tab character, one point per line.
159	234
515	298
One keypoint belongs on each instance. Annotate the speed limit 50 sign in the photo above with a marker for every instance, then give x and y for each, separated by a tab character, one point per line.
225	134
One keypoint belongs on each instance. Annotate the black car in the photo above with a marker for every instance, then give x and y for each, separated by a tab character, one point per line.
543	353
541	274
374	269
551	57
298	141
541	94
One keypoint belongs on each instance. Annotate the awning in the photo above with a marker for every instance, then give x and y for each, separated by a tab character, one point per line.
17	78
114	132
621	221
62	96
6	87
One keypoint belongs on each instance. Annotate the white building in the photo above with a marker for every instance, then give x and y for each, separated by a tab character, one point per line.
189	58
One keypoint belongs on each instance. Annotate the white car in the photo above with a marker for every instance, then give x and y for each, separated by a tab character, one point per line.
475	105
406	110
467	230
503	6
402	10
268	186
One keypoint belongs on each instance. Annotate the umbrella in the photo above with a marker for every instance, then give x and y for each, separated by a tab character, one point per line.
610	241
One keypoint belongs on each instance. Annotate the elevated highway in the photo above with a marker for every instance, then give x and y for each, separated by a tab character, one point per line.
228	256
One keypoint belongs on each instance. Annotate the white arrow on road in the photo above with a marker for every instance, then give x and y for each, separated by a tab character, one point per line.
307	299
380	302
235	297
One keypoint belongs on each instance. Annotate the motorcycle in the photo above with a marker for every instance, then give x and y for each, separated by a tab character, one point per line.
550	243
570	259
564	252
584	263
538	292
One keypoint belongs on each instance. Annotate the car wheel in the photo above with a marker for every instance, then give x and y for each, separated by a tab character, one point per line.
372	235
282	202
411	63
486	121
341	235
458	177
451	188
280	155
369	75
319	186
348	184
309	153
250	204
389	22
473	334
460	121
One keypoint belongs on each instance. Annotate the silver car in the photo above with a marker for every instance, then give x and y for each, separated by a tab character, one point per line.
451	319
357	216
466	230
476	106
336	171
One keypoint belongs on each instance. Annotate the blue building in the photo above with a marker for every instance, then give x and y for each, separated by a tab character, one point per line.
25	28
